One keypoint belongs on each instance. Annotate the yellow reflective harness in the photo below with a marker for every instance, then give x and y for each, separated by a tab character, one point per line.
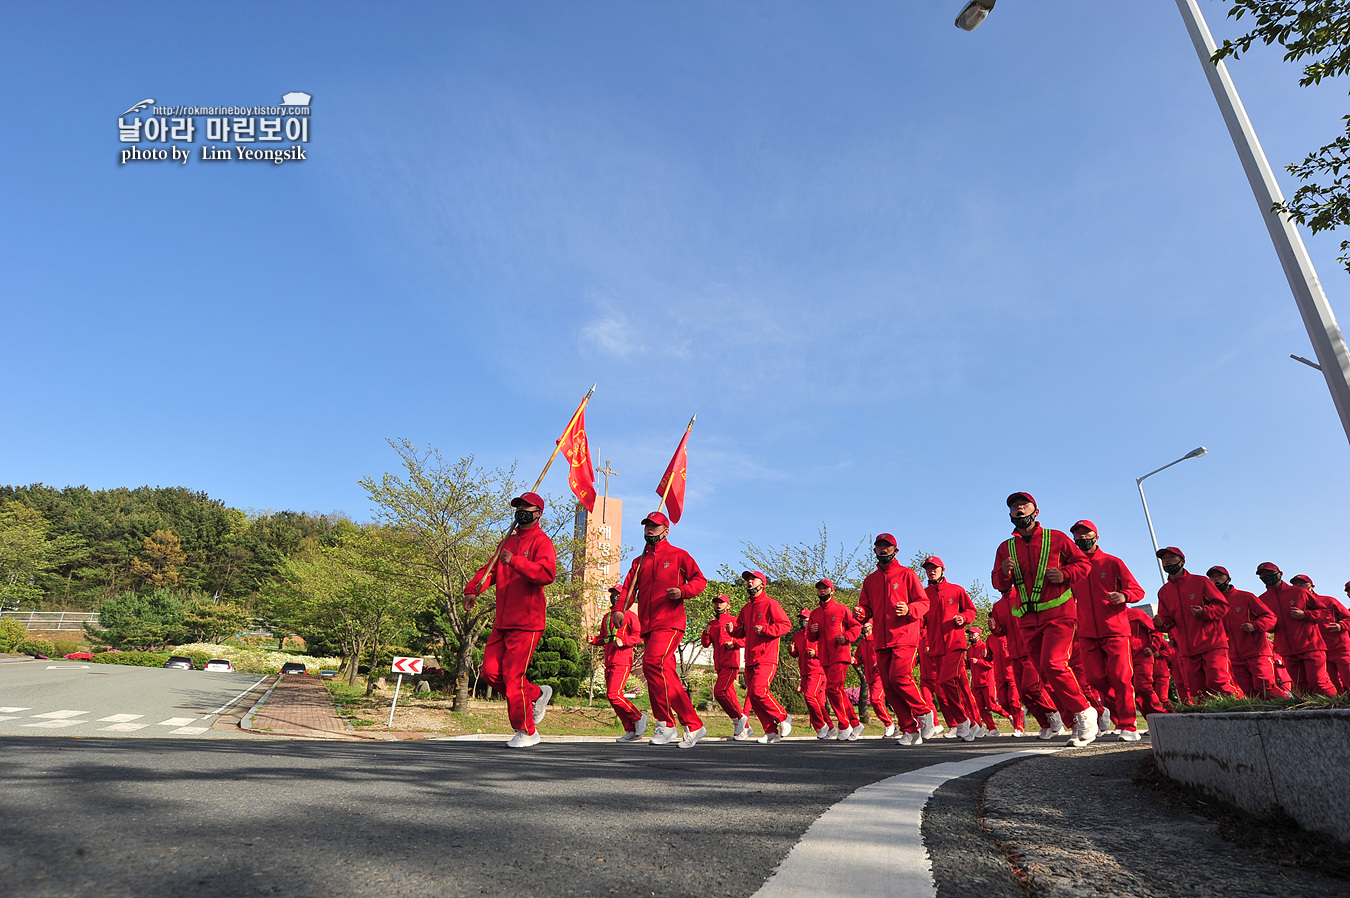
1031	600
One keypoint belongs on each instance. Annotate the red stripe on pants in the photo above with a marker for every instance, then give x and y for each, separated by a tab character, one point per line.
505	658
843	709
876	697
616	678
725	692
1049	645
668	698
896	666
813	693
767	709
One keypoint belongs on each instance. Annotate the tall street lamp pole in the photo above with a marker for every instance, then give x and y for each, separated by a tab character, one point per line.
1139	482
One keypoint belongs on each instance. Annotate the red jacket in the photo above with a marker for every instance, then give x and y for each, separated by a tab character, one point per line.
867	658
1295	637
803	648
1141	631
981	668
1064	554
520	583
1338	641
1097	617
1195	635
726	648
1002	622
657	569
881	591
1245	608
830	620
945	601
762	611
618	636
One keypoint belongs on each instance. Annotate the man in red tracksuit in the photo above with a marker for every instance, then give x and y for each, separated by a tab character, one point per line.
761	623
1164	656
834	628
1043	564
869	672
660	580
1298	638
526	563
1192	609
928	693
1103	596
812	688
949	610
1249	652
1006	694
619	633
727	662
983	692
894	601
1335	633
1003	623
1142	661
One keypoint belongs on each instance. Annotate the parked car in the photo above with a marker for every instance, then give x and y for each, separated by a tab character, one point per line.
293	667
221	664
80	656
179	662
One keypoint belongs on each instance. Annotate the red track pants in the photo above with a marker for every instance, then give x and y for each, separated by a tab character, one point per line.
813	693
505	658
896	666
725	692
1110	668
1256	676
876	697
843	709
1009	697
616	678
767	709
1033	693
1049	645
1147	700
1309	673
668	698
953	689
1209	672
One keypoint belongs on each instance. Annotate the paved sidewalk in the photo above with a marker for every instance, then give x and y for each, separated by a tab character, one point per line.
297	706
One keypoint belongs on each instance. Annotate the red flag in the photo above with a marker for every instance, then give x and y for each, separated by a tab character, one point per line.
577	451
675	476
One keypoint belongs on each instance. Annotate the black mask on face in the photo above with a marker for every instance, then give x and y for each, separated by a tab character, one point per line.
653	538
754	590
1084	543
1270	578
1172	568
823	598
524	517
883	560
1023	522
1224	586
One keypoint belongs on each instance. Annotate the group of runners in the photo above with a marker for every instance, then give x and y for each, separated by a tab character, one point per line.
1065	644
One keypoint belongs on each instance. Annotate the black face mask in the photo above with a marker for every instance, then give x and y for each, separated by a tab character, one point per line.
1023	522
823	599
1085	544
1172	568
883	560
1270	578
753	591
524	517
653	539
1224	587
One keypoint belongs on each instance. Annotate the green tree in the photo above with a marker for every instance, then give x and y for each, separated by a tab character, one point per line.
1317	31
142	622
207	620
161	557
26	554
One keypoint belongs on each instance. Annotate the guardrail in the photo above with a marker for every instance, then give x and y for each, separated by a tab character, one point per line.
53	620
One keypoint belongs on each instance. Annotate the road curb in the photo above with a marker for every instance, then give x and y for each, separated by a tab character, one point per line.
246	722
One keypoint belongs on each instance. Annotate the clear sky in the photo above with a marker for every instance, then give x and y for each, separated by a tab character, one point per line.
897	269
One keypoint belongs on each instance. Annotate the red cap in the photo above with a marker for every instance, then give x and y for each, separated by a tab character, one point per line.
1304	577
1084	525
825	581
977	632
1268	566
528	499
614	593
1170	550
1026	497
722	597
746	575
805	612
933	561
885	538
656	518
1222	570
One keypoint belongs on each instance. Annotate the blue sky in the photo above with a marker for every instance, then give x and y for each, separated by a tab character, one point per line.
898	270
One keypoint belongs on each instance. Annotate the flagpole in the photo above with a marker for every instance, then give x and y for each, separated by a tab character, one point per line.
671	479
469	600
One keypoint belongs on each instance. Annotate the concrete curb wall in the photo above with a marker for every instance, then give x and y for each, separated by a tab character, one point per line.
1298	761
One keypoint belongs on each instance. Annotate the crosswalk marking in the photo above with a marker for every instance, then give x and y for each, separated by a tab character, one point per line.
188	731
9	717
116	723
120	718
177	721
13	710
53	724
124	727
61	715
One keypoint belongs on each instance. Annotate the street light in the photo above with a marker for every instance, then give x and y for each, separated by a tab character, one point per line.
1139	482
1333	358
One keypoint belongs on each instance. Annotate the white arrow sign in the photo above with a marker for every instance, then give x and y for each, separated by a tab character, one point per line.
407	665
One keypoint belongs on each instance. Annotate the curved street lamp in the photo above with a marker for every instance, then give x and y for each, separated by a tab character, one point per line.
1139	482
975	12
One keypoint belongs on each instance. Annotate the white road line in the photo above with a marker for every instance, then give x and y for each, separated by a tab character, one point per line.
61	715
10	717
869	845
54	724
67	666
12	710
224	707
120	718
188	731
123	727
177	721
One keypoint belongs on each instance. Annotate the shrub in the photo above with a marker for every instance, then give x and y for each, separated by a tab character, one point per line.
12	633
33	645
132	659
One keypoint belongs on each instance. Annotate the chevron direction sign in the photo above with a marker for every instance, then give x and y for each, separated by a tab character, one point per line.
407	665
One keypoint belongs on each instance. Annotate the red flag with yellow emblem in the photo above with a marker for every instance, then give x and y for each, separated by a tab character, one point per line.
577	451
671	487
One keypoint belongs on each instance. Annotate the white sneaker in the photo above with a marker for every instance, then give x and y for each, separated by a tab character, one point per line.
664	735
739	726
1018	734
834	731
785	726
541	703
743	735
909	739
980	731
769	739
1057	727
965	732
928	726
890	731
629	736
844	734
1104	723
691	737
823	732
1130	736
641	726
523	739
854	733
1084	729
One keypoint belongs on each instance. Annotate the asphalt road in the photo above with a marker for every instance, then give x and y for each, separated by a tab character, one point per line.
215	818
40	698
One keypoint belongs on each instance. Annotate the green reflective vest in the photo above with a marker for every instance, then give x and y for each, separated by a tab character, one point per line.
1031	598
